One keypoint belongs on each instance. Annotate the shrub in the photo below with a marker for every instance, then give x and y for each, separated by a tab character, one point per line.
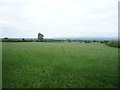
113	43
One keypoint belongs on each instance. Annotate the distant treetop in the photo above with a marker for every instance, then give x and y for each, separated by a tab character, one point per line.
5	38
40	37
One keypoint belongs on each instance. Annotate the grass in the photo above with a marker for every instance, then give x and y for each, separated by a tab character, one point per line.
59	65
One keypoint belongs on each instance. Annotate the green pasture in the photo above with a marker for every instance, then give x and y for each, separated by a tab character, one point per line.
59	65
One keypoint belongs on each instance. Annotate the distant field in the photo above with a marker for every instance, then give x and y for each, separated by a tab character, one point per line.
59	65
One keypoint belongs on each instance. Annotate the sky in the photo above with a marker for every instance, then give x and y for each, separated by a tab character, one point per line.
58	18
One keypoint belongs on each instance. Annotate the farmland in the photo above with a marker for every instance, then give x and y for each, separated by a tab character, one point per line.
59	65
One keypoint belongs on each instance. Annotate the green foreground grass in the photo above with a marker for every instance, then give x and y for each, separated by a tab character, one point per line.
59	65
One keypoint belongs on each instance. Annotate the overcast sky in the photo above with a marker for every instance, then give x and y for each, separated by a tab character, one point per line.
58	18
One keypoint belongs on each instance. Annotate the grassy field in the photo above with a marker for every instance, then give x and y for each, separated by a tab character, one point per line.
59	65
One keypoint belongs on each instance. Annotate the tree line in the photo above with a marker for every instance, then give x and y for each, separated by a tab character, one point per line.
110	43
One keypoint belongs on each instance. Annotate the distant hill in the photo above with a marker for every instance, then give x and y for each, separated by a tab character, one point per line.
75	38
90	38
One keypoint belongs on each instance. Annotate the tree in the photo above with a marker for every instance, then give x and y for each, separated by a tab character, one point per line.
5	38
23	39
40	37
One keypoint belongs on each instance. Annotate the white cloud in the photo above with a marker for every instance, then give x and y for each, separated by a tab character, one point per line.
59	18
